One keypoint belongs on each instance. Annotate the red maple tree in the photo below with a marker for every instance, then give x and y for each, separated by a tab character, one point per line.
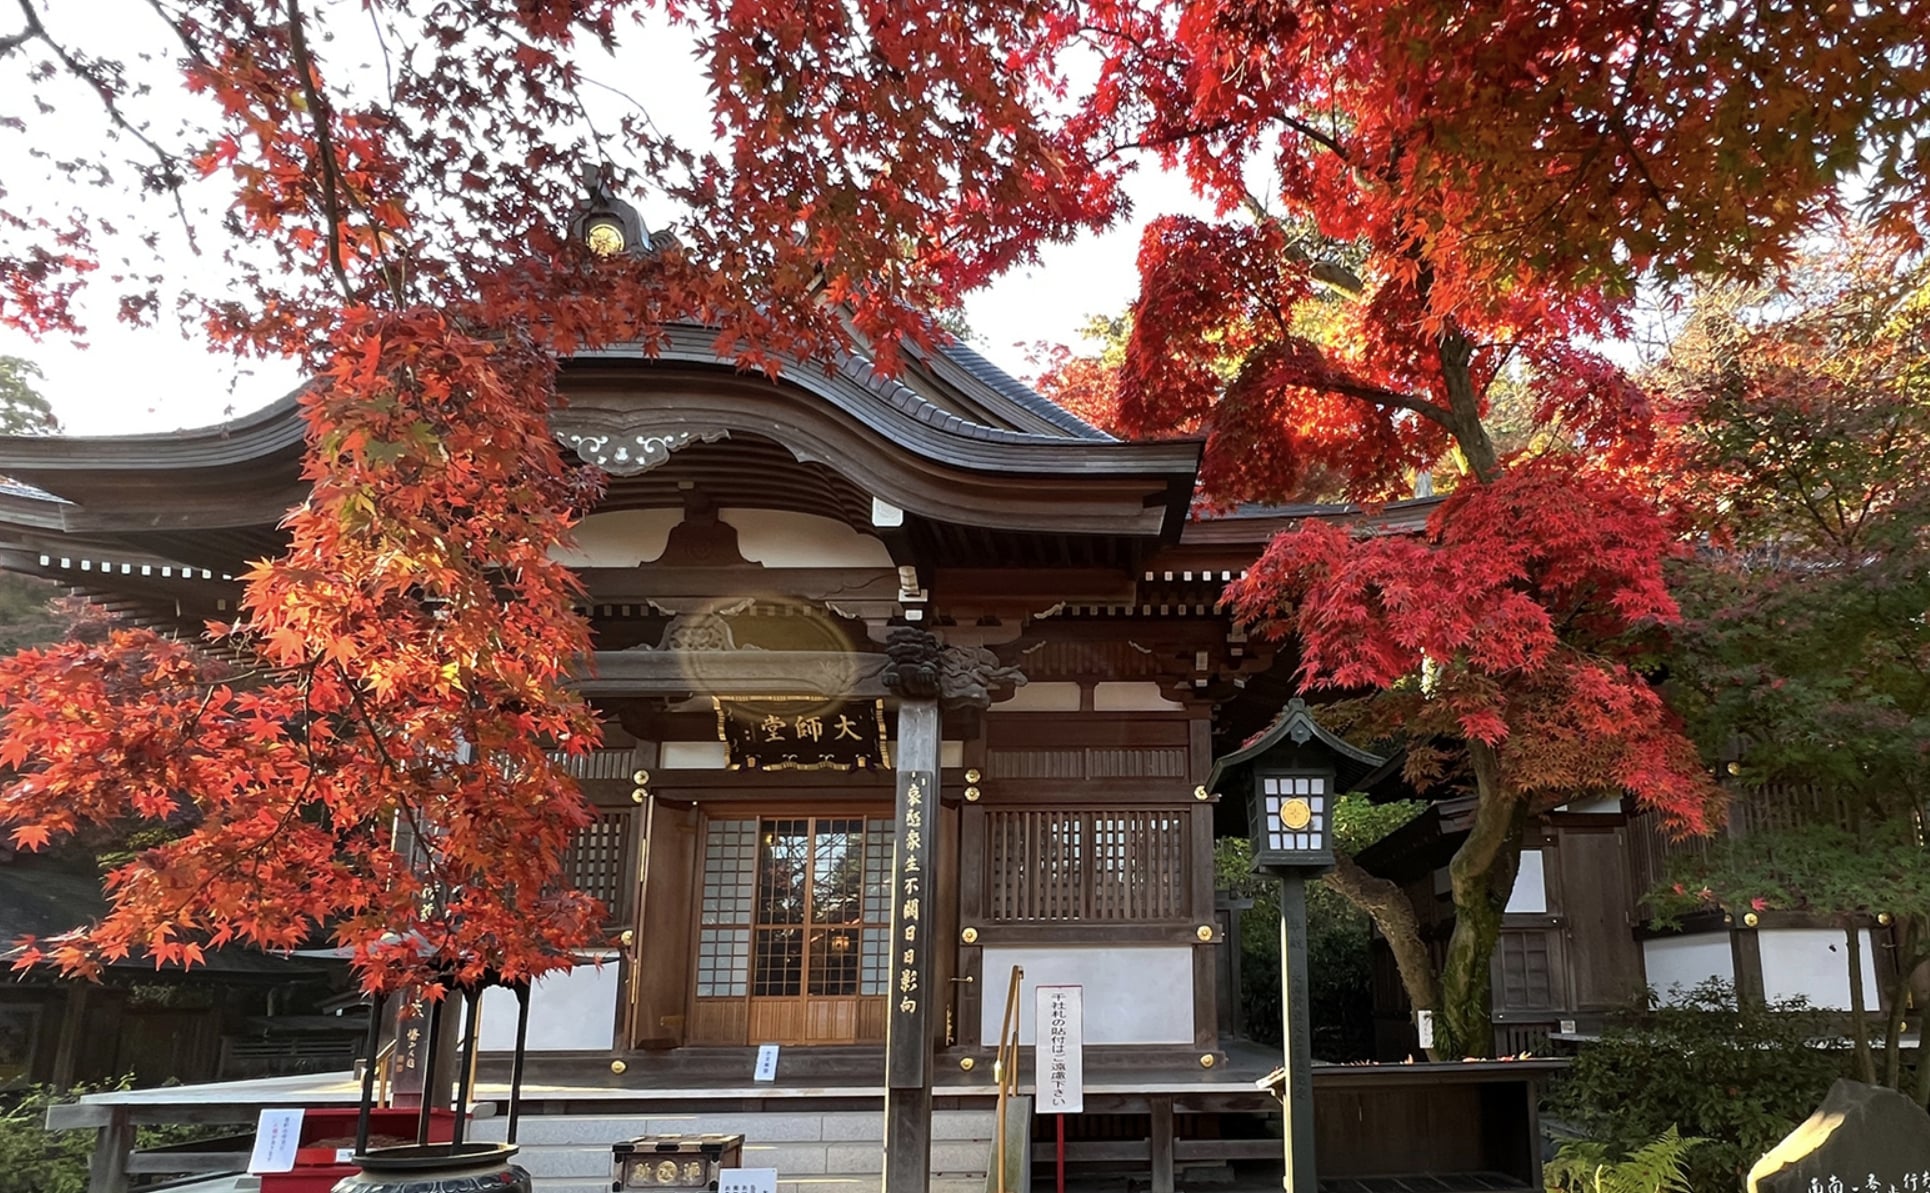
1427	213
367	751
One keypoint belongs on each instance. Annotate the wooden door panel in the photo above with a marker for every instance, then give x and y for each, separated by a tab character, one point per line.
1605	958
718	1021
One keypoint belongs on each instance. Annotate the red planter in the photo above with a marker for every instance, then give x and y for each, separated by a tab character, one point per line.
316	1169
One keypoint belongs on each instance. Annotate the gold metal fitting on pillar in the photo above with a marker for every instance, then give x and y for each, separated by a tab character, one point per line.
971	795
969	936
967	1063
1204	932
1206	1061
1201	793
628	938
639	795
641	778
618	1067
972	775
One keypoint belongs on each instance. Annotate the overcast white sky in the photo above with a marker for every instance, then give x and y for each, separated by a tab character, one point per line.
125	380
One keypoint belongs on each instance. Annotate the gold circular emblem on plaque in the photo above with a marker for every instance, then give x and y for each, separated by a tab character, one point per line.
666	1171
969	935
1296	814
604	240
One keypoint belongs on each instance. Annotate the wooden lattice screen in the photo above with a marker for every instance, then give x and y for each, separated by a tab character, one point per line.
1102	865
598	861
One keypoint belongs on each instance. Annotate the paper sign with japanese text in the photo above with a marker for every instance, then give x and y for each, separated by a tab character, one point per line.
1059	1048
278	1133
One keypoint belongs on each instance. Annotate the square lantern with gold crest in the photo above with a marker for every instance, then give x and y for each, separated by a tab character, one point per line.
1290	813
1292	772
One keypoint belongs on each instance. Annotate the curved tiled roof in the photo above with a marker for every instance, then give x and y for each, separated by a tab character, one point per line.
1011	389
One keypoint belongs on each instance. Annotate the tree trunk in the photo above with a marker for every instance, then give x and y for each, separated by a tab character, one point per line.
1899	997
1464	405
1389	907
1859	1026
1480	877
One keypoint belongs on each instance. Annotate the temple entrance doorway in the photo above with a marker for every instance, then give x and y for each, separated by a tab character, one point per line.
793	913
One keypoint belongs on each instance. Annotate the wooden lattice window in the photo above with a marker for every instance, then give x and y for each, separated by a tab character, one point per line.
1527	966
616	764
598	861
1100	865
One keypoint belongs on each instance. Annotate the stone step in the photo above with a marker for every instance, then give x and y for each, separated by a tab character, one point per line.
837	1126
799	1159
816	1184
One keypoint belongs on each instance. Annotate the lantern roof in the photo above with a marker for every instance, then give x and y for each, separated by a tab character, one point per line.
1295	740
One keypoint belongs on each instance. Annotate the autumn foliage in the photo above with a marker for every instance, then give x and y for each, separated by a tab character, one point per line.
1455	198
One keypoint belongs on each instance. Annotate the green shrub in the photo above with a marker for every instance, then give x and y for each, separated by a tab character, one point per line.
1738	1076
36	1160
1658	1166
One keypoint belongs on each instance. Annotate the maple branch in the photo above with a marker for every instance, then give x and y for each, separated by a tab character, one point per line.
324	143
167	173
1385	397
1313	134
1331	272
1388	906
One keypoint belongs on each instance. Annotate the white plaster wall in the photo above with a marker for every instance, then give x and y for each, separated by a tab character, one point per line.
620	538
567	1011
1131	697
1687	960
1593	806
1530	894
1042	697
774	538
1814	963
782	539
1134	995
693	755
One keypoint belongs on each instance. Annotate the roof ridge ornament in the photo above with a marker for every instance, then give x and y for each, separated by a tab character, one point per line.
603	223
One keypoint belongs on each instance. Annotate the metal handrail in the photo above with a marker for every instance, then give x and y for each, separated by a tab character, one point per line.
1005	1068
384	1070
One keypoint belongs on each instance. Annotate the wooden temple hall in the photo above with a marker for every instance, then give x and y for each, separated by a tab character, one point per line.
808	595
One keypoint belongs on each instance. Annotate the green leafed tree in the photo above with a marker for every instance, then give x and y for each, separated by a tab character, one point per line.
23	411
1797	437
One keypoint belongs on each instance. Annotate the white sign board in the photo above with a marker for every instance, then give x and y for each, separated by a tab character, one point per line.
747	1180
1059	1049
766	1068
1424	1027
277	1134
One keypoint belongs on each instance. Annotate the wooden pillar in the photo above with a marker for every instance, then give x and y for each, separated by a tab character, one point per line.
909	1002
73	1024
1296	1095
107	1168
1162	1143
